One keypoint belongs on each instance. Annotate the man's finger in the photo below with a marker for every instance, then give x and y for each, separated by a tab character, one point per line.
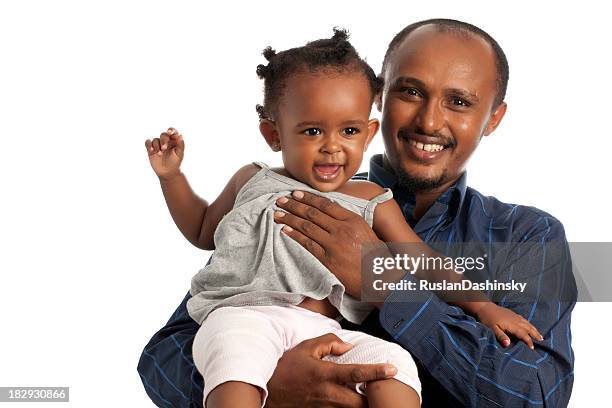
306	227
340	396
356	373
310	245
325	345
307	212
336	348
323	204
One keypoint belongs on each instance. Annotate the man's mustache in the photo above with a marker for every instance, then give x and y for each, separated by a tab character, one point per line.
439	138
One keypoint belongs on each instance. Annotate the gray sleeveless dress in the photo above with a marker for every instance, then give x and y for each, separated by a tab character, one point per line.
254	263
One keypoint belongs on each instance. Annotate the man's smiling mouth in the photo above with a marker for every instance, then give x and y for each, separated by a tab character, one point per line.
427	147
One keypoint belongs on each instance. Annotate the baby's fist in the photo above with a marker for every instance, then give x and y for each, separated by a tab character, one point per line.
166	153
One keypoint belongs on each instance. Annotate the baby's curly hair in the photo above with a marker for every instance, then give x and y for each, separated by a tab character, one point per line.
334	53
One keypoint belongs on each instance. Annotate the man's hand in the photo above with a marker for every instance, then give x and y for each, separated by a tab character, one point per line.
166	153
302	379
330	232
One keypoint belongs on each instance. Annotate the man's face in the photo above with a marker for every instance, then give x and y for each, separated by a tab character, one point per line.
437	104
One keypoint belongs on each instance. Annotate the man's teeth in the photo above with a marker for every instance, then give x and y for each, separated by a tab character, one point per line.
427	147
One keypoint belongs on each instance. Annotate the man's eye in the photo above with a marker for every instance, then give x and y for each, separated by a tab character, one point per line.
312	132
460	102
350	131
410	91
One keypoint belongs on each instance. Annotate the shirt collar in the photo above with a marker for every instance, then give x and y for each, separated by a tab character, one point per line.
379	175
451	199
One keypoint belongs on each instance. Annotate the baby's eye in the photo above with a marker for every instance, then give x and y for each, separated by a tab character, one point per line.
312	132
350	131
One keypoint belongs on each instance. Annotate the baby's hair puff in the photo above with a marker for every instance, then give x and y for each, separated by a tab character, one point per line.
335	53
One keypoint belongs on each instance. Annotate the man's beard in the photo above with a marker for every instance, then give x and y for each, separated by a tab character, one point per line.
415	184
407	182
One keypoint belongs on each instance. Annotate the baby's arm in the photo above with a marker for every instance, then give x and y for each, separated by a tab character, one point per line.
194	217
391	227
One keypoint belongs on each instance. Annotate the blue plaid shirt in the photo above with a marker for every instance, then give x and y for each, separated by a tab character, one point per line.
460	362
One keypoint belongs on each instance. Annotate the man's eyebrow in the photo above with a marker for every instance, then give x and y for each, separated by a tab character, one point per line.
451	91
409	80
463	93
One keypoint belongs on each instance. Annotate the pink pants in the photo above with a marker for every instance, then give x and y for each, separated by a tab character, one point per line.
245	343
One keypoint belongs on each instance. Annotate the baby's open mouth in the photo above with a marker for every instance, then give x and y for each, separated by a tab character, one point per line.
327	171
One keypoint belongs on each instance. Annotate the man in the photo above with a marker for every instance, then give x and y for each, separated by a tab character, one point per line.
445	83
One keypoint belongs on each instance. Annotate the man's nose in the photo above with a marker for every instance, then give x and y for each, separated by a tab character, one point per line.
331	144
430	117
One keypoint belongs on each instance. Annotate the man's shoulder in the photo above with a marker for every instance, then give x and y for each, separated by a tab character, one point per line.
360	176
523	220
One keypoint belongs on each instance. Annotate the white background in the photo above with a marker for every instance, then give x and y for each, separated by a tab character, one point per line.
91	263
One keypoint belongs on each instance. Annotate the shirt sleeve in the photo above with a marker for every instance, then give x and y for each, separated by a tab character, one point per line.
464	355
166	366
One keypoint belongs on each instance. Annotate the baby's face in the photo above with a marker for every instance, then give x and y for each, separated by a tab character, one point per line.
323	122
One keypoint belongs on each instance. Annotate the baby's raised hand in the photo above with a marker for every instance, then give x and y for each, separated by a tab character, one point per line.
166	153
502	321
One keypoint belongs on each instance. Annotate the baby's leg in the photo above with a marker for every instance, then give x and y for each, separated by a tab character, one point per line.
236	351
403	391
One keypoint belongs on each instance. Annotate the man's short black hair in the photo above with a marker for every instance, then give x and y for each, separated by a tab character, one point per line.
459	27
335	54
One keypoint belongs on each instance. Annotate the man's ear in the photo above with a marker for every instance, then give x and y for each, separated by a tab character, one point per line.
267	128
496	118
373	125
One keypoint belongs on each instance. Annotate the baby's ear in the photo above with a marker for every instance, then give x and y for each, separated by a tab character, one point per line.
267	128
373	126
